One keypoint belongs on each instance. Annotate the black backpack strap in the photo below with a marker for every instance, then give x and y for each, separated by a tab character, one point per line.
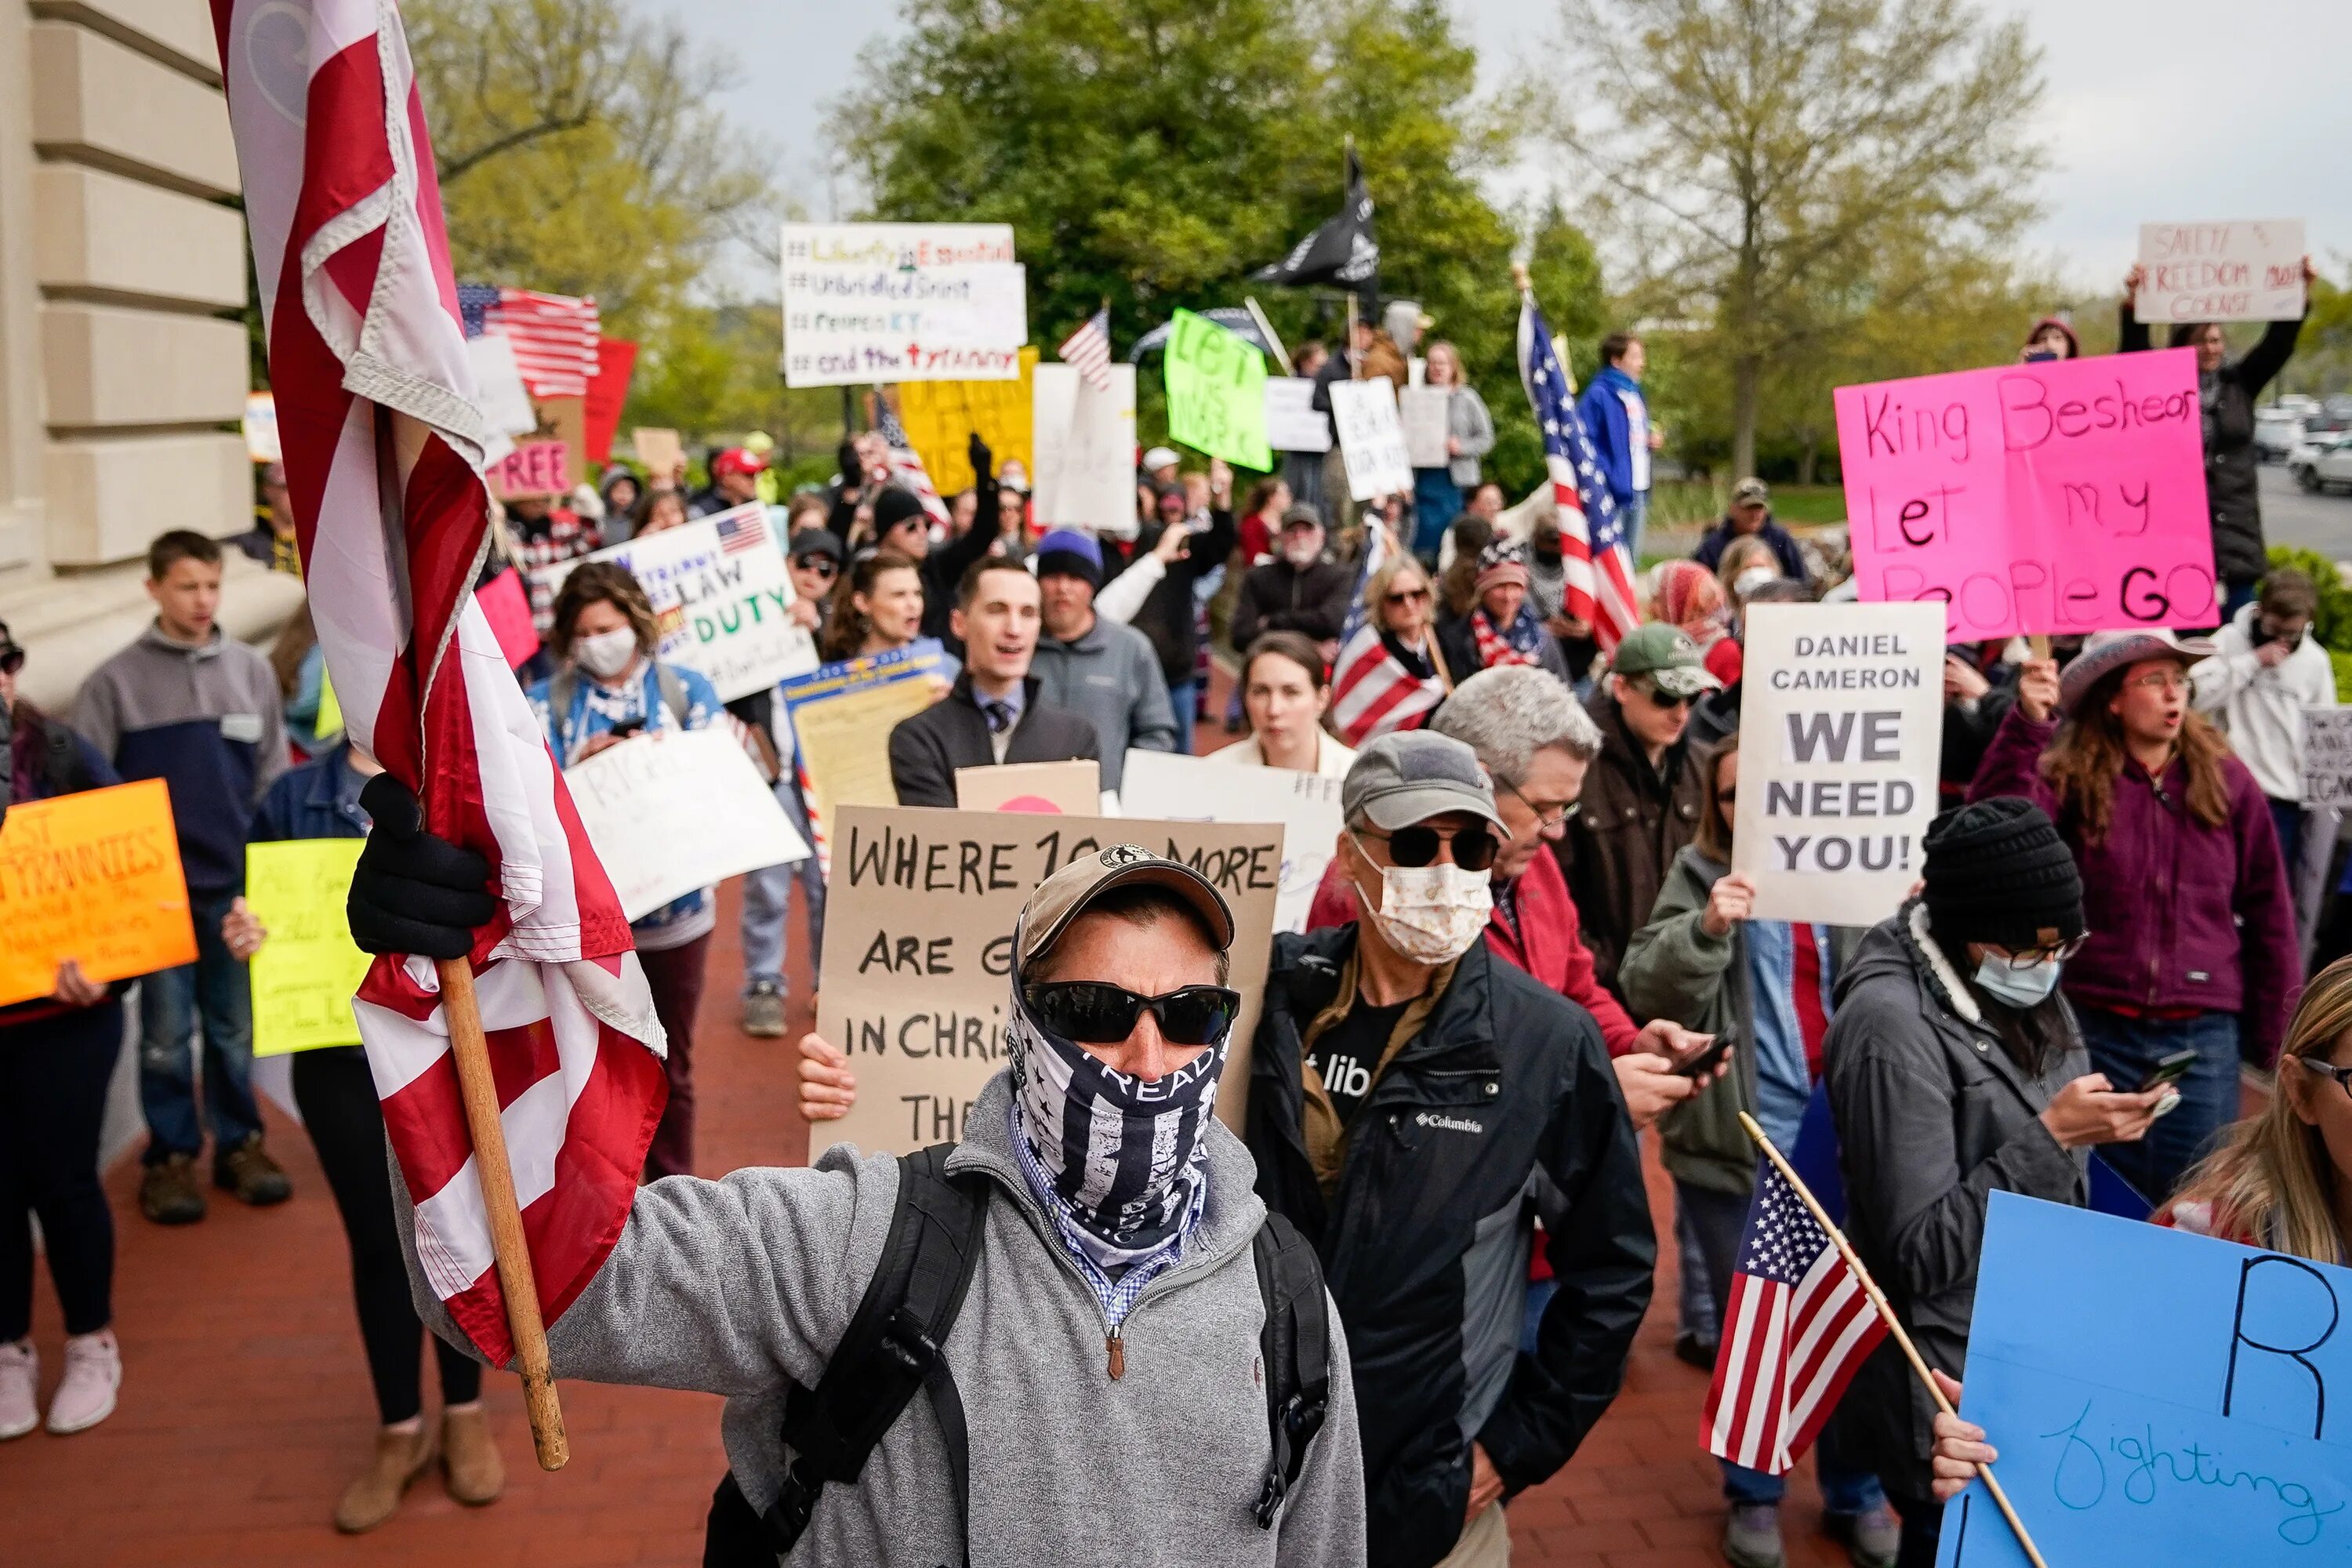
891	1348
1295	1343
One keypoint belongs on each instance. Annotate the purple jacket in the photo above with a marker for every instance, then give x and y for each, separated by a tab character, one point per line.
2163	894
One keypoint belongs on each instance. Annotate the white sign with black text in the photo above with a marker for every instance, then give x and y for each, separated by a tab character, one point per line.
2327	756
677	810
1371	440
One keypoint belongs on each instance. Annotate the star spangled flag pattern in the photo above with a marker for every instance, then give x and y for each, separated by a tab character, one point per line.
554	335
906	470
1371	693
382	441
1599	569
1798	1327
1087	350
741	528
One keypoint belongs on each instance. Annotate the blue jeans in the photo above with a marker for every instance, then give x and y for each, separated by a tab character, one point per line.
2126	1049
171	1002
1436	503
767	897
1185	700
1633	516
2286	818
1716	1222
1539	1295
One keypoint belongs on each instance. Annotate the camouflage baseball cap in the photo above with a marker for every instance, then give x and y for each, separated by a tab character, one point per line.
1668	657
1063	896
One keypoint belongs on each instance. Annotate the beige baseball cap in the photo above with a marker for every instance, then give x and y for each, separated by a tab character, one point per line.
1063	896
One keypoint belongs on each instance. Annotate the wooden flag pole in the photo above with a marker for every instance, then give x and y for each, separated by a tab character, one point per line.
515	1283
1894	1325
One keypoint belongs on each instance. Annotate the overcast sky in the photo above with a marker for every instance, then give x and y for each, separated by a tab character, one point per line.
2155	109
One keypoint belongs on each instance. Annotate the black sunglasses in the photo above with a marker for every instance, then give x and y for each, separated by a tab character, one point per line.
2342	1075
822	566
1474	846
1094	1013
12	658
1662	700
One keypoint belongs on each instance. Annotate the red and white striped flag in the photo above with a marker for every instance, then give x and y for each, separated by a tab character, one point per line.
1597	568
382	441
554	336
1087	350
1798	1328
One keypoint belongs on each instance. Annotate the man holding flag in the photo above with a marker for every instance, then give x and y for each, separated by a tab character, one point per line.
1597	565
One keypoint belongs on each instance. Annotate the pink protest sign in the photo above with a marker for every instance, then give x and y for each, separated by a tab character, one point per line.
2062	497
507	609
533	469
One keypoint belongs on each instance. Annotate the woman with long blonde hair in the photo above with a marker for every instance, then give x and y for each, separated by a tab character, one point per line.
1392	674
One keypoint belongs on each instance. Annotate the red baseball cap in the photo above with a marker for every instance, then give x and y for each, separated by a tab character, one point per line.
737	460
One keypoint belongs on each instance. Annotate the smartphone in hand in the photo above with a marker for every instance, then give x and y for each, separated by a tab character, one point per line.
1708	1058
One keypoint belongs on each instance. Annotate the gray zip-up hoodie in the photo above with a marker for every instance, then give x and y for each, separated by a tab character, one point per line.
1112	676
735	1285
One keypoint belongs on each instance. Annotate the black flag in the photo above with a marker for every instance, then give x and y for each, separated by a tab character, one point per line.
1341	252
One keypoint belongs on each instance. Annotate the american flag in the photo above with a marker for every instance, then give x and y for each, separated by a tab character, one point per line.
1371	693
1087	350
741	528
906	470
554	335
383	441
1600	569
1799	1326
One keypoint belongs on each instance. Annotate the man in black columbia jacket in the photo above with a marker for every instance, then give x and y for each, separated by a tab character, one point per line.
1414	1104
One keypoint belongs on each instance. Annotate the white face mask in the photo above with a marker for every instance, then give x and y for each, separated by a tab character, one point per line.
1431	914
605	654
1755	577
2019	987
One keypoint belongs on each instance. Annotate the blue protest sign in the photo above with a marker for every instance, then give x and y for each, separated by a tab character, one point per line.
2157	1399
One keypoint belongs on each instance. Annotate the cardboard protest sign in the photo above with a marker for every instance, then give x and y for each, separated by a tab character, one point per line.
919	947
1371	441
880	303
93	877
842	715
1073	789
1174	788
1841	734
531	468
677	810
2249	271
608	389
507	608
2192	1427
2063	496
659	450
2327	756
261	443
1085	446
305	973
941	417
1216	391
1293	424
565	420
721	594
497	385
1422	410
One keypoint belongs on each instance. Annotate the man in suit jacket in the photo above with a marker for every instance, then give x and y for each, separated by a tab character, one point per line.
992	714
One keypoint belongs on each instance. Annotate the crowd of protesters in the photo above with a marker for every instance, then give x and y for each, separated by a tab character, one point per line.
1527	947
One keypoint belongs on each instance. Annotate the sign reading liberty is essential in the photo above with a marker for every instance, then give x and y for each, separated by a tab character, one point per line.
2159	1399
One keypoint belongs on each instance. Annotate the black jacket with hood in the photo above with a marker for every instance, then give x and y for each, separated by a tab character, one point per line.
1932	1115
1496	1105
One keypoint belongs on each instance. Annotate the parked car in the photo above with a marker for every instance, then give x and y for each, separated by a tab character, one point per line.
2277	434
2323	464
2297	403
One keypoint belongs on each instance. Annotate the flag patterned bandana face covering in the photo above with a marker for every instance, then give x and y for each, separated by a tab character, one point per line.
1123	1158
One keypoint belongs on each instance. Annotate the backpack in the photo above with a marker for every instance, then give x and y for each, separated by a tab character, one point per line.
892	1348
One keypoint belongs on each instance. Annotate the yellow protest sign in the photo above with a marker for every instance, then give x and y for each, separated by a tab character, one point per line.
94	877
304	975
940	416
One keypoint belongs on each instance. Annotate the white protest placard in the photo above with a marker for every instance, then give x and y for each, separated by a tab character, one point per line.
1084	440
497	385
1841	734
1177	788
2327	756
1371	441
261	443
677	810
1293	423
919	914
895	301
1422	411
721	595
2249	270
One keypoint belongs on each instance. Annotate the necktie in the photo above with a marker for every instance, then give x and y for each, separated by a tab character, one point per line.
999	715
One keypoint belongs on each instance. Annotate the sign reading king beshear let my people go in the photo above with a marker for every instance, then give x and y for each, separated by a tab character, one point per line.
2059	497
1840	736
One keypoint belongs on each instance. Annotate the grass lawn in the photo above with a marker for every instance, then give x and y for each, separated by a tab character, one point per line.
1685	503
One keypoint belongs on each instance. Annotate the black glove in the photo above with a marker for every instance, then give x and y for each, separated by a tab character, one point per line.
983	460
413	892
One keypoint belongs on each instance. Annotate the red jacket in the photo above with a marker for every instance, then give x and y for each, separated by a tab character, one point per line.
1546	945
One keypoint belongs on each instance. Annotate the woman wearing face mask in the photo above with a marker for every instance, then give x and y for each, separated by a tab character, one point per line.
1500	627
1704	962
1285	695
2226	391
1393	674
1746	566
1955	1069
2192	943
609	688
1469	435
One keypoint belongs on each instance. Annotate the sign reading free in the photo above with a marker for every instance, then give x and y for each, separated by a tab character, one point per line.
2061	497
533	469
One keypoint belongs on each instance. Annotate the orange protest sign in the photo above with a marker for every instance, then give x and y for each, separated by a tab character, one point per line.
93	877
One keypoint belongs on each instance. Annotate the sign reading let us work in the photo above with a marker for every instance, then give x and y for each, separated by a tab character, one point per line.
2206	1424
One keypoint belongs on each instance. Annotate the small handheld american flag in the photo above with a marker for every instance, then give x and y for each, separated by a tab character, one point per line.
1087	350
1798	1327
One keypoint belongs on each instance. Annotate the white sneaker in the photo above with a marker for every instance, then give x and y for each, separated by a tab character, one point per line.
85	1394
20	1374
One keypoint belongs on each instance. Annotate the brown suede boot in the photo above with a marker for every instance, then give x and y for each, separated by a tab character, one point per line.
400	1459
469	1457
